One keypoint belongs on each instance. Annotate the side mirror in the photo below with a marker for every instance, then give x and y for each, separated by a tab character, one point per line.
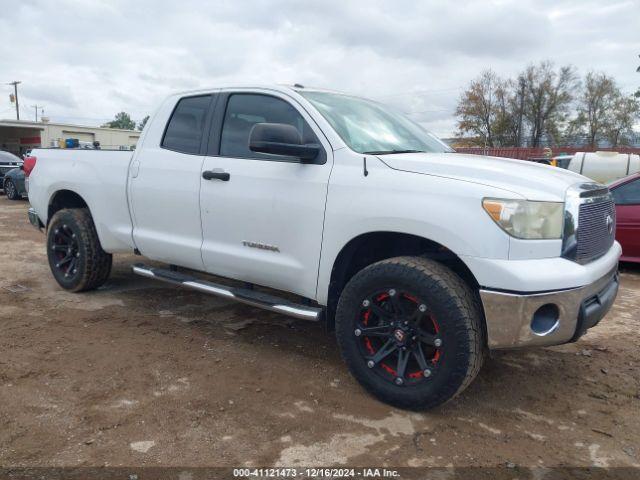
281	139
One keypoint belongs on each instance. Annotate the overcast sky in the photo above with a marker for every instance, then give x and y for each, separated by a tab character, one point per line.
85	60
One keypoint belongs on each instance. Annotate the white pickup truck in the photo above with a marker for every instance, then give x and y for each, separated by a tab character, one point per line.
420	258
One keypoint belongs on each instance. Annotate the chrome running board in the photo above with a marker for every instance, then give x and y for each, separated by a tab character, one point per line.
243	295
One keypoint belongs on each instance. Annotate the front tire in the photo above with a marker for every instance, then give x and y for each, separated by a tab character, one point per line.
410	331
10	190
76	258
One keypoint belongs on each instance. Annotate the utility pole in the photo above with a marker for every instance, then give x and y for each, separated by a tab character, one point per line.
37	107
15	89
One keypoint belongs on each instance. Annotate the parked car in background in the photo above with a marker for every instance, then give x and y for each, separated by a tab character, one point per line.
626	194
8	161
604	167
13	184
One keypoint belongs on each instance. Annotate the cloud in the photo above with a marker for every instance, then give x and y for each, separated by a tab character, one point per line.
88	59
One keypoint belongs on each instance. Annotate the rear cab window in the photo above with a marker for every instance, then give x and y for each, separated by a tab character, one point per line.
186	127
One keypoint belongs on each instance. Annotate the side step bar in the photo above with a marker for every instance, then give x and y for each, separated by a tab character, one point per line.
243	295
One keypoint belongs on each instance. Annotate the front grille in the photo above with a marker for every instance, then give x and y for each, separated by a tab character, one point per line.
596	229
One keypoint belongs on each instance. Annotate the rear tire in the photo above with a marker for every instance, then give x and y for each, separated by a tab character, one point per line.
10	190
76	258
426	342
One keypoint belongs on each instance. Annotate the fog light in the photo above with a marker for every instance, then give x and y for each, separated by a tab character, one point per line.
545	319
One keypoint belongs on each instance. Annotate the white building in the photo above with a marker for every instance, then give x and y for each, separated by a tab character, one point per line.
18	136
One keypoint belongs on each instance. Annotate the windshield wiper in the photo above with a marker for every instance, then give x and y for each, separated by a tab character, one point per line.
390	152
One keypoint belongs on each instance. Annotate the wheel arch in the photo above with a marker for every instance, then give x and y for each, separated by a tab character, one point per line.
371	247
64	198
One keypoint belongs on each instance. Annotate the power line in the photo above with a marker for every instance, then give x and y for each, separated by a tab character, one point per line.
420	93
429	111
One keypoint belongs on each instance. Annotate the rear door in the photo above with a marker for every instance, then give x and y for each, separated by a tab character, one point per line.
627	198
165	182
264	223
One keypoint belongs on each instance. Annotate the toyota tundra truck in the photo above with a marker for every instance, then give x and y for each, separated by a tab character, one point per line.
331	207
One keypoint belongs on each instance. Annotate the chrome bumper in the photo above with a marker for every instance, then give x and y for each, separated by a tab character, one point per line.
34	219
550	318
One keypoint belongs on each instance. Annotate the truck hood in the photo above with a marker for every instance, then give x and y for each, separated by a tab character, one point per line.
530	180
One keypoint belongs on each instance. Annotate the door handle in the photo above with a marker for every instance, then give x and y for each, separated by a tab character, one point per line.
212	175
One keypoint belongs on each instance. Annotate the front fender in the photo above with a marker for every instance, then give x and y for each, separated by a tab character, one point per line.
443	210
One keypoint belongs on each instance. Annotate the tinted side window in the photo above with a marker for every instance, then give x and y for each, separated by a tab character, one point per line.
244	111
186	125
627	194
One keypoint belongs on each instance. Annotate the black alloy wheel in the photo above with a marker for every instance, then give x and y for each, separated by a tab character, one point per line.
411	331
66	251
398	337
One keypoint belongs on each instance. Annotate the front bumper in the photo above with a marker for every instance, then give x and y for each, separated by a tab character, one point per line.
549	318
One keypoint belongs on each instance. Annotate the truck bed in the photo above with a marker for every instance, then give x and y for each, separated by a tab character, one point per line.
99	177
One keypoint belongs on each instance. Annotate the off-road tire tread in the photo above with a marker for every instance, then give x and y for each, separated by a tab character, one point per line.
461	298
97	265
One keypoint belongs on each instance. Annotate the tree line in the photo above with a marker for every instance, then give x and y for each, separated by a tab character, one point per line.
546	104
124	121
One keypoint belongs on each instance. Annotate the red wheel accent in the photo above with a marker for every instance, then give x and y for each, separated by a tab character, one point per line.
420	353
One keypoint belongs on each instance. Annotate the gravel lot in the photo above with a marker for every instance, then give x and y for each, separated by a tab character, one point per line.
138	373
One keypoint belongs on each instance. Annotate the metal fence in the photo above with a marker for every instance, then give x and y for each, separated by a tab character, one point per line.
527	153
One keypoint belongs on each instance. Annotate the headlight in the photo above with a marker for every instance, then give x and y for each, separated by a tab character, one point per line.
526	219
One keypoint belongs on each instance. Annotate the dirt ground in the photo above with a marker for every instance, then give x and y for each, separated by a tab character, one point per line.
140	373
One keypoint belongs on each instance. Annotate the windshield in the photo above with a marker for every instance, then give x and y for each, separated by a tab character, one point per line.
370	127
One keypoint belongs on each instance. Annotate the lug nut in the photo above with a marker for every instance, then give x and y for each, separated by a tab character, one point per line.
399	381
426	372
371	364
437	342
422	308
358	332
392	292
366	303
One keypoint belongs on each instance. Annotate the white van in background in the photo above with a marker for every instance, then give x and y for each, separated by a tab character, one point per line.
604	167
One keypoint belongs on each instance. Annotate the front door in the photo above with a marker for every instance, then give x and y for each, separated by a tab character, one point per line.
263	215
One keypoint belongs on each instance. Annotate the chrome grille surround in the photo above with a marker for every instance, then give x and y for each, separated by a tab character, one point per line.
589	222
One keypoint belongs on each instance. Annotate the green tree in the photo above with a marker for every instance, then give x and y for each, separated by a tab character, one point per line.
123	121
625	113
478	107
637	94
596	106
508	122
143	122
548	95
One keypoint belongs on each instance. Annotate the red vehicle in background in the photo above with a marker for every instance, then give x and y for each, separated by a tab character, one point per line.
626	194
